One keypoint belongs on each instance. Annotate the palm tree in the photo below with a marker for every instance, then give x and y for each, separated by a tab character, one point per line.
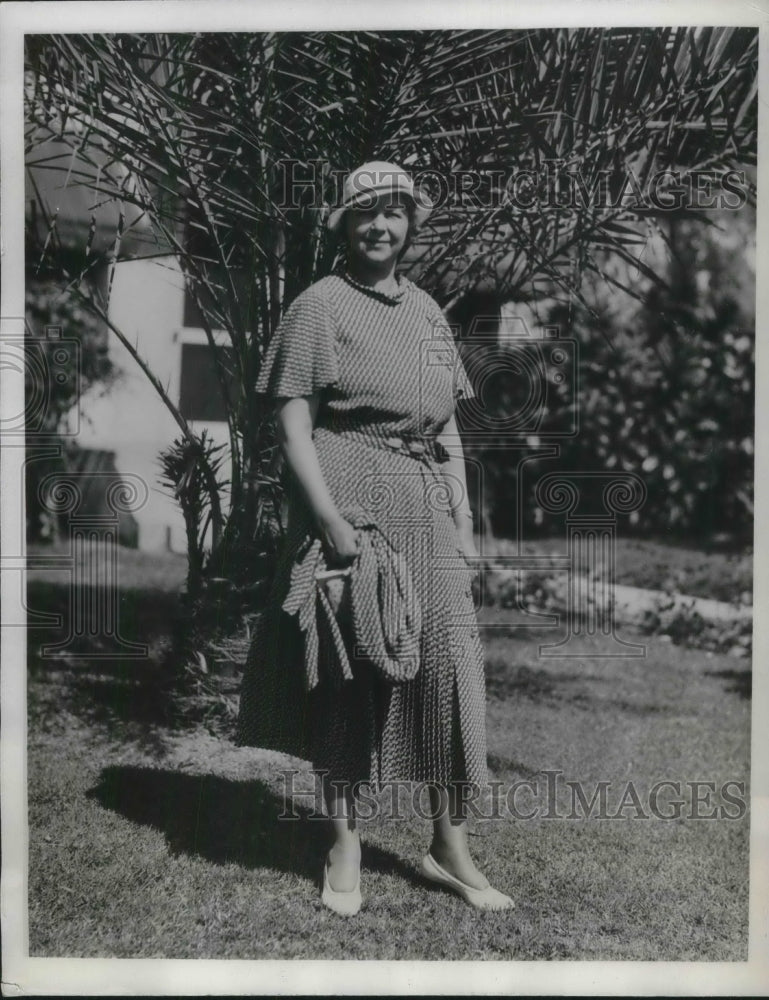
230	144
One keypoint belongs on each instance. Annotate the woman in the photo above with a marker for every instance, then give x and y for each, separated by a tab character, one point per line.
366	375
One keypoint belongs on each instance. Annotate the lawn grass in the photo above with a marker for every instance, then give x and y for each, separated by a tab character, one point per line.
153	841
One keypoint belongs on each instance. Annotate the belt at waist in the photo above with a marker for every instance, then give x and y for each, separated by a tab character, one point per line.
421	448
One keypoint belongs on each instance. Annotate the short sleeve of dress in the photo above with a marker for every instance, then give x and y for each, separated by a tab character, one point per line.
301	358
463	388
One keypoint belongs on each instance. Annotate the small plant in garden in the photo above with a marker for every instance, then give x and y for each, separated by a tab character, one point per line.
190	470
685	626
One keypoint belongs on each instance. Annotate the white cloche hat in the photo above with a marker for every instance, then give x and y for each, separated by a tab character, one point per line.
369	181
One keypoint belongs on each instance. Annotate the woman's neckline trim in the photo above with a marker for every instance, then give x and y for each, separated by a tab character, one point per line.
393	298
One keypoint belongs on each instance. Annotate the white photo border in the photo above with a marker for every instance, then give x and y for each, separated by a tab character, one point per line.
63	977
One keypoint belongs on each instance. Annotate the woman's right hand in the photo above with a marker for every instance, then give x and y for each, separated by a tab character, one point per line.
341	542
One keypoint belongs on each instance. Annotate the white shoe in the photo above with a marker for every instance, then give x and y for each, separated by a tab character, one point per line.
347	903
482	899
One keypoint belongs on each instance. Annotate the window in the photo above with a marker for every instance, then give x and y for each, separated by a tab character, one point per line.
200	394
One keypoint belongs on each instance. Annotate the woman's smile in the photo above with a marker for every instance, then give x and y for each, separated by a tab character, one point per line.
377	234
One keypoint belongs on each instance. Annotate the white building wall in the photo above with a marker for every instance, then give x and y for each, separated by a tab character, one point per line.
147	305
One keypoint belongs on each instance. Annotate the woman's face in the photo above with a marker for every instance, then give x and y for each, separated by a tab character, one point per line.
377	235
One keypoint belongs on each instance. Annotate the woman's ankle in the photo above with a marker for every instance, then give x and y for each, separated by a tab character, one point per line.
346	848
456	859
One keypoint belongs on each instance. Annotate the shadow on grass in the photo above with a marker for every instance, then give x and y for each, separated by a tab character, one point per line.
740	682
505	682
122	699
499	765
90	673
124	690
143	615
226	821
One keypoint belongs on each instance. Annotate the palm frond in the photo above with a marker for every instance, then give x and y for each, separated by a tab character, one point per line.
197	134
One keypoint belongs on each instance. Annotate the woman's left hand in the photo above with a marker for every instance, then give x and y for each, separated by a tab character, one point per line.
469	551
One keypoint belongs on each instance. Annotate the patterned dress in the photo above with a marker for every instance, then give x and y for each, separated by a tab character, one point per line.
388	376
